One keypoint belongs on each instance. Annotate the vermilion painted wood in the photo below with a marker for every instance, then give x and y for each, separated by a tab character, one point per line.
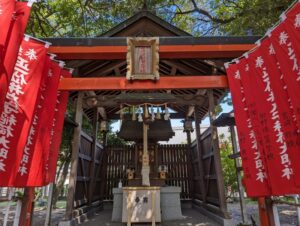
121	83
166	51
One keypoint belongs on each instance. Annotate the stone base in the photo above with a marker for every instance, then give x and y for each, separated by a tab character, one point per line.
117	205
170	203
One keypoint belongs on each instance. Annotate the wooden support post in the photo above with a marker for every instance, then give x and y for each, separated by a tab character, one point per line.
217	157
145	162
103	165
199	156
74	159
93	157
239	176
190	166
27	207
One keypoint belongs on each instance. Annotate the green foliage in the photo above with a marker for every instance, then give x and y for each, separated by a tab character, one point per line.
86	18
114	140
249	17
228	166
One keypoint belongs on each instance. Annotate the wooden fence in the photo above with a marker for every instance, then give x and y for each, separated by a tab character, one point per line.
191	169
206	174
120	158
89	182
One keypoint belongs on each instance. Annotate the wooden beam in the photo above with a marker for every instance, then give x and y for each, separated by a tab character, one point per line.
121	83
165	51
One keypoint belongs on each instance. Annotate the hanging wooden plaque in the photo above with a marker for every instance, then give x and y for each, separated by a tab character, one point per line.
142	58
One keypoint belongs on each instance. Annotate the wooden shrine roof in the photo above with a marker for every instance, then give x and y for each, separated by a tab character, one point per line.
180	55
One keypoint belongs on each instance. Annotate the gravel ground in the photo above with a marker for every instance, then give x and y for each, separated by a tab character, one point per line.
287	214
288	217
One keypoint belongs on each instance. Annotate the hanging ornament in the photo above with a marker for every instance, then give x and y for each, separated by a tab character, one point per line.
167	113
158	116
152	113
140	117
133	114
146	113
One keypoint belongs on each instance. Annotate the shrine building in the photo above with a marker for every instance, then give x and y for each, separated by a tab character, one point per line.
146	72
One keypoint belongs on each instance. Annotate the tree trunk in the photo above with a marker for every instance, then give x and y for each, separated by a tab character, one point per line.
60	183
59	170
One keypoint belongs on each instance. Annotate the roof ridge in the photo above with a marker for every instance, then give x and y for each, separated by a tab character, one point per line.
149	15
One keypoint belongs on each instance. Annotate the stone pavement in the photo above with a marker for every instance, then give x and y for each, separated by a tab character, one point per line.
191	218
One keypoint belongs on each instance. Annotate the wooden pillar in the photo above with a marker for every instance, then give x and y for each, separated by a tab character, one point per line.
239	176
145	162
27	207
216	151
199	155
93	157
103	165
190	166
74	158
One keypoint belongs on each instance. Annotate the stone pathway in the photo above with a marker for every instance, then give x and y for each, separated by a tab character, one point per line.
191	218
288	217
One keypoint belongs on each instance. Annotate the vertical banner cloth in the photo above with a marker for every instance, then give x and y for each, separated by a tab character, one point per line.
292	22
16	118
272	122
30	172
7	8
286	111
255	176
15	32
56	133
289	62
269	91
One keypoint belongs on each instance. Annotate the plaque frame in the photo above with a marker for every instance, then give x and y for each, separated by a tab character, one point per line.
132	43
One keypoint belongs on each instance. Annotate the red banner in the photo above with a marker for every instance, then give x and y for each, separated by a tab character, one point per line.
286	111
11	46
268	102
292	19
7	8
255	177
269	87
289	63
57	129
253	119
18	110
31	172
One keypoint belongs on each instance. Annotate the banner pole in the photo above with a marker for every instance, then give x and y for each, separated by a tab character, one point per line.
263	216
10	196
296	197
17	212
49	206
276	215
27	206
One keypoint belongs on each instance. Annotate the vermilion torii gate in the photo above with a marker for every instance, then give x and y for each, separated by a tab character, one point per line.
191	68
